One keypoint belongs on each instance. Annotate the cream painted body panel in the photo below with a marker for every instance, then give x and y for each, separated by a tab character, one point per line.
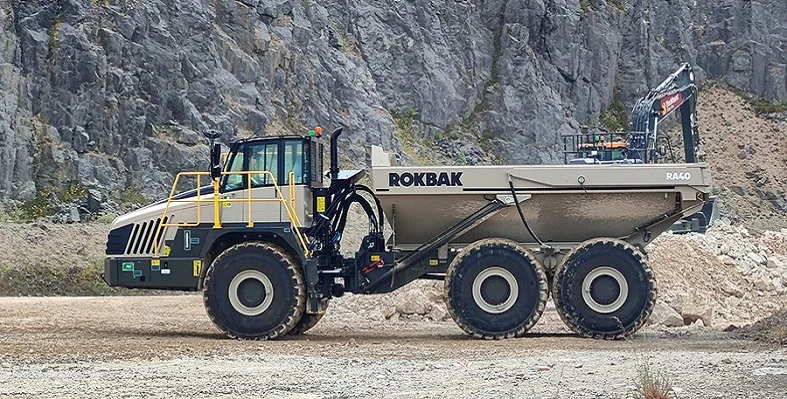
236	212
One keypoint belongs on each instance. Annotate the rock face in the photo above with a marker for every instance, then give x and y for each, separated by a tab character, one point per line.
114	93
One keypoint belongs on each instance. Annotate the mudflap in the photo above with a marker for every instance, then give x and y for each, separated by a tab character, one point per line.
313	294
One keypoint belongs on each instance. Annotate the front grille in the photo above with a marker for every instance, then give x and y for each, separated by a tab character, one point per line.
142	237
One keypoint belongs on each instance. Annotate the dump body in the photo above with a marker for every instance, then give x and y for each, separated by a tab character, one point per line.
563	204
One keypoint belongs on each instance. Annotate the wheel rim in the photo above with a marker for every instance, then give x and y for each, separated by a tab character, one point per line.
250	293
486	290
605	290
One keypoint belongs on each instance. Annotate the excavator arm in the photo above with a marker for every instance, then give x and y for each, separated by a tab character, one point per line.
677	92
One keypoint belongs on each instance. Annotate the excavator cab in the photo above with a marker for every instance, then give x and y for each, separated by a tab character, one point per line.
595	148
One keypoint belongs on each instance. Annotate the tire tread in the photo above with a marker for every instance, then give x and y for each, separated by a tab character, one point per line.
487	243
298	284
571	318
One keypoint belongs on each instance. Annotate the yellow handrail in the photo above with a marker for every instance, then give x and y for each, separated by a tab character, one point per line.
288	205
292	196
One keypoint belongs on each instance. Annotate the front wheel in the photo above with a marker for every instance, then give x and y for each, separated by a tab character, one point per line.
495	289
254	290
604	289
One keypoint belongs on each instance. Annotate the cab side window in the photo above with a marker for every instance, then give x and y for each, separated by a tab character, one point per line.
293	161
263	157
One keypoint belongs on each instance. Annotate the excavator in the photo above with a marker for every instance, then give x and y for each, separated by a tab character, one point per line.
646	143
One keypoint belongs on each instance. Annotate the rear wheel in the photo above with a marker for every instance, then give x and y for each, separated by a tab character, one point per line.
254	290
495	288
604	289
308	321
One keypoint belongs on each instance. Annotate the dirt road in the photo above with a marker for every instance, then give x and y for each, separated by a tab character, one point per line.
166	347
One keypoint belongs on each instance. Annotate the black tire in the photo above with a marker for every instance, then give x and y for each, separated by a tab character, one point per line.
307	321
247	266
513	311
604	289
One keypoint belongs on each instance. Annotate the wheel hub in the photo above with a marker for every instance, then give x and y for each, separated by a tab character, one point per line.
604	290
495	290
250	293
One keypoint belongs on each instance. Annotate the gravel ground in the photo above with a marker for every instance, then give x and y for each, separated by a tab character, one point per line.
166	347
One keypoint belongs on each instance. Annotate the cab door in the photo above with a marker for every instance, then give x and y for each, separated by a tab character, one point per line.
232	186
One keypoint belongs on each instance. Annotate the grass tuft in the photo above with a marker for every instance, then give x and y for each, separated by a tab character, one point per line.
652	384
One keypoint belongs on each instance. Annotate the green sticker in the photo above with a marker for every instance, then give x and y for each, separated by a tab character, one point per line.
128	266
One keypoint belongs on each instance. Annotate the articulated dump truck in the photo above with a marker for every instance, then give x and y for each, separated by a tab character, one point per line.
260	236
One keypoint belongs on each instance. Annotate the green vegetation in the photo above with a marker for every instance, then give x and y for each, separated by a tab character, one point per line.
412	143
587	5
424	151
53	34
762	106
403	121
615	118
131	195
592	5
12	215
487	145
457	130
36	208
494	75
58	280
43	204
461	158
348	46
74	192
619	4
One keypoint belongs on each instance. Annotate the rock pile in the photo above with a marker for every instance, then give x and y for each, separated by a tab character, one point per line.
77	211
418	301
772	328
743	148
727	276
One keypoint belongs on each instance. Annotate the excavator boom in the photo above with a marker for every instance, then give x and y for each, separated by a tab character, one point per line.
677	92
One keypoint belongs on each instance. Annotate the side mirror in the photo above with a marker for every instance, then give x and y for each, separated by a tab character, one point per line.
212	135
215	153
215	161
